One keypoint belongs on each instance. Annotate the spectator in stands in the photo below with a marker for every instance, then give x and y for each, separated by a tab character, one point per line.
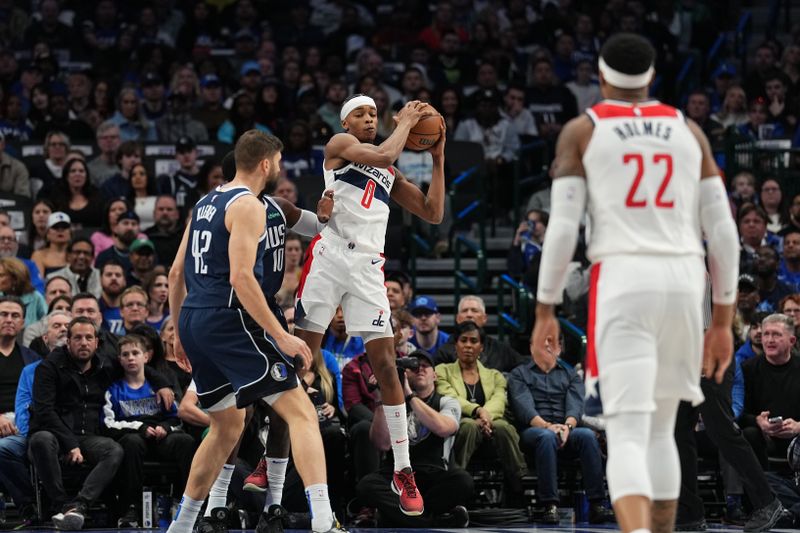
772	200
772	390
75	195
112	282
143	194
56	146
293	255
299	158
782	104
10	248
743	191
68	393
104	238
733	112
343	346
515	111
133	308
403	326
167	231
36	238
449	105
44	339
487	80
153	104
329	111
177	122
242	118
86	305
764	61
551	105
125	231
211	112
183	184
79	87
546	396
210	176
14	177
758	125
526	246
133	416
481	393
427	335
59	120
286	189
14	124
752	221
747	301
494	354
129	154
585	90
698	108
789	268
105	165
432	424
771	289
49	29
451	66
14	473
167	334
143	261
133	126
156	286
15	280
394	291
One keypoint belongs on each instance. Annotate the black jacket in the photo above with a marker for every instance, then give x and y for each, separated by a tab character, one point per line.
67	403
496	354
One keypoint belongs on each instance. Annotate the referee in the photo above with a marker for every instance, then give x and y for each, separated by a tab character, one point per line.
723	431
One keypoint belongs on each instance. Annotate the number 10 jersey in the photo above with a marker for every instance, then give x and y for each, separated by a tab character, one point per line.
643	167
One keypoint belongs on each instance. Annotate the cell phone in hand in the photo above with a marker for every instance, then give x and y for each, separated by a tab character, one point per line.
775	420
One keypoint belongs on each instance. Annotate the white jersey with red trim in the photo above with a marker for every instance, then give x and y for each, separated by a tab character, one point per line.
643	167
361	204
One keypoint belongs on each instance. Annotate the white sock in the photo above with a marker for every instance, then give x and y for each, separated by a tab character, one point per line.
320	507
641	530
276	474
398	432
218	496
185	516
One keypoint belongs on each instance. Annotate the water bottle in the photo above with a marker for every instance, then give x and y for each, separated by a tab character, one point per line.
2	508
581	506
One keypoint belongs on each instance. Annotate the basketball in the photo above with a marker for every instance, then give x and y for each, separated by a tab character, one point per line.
425	134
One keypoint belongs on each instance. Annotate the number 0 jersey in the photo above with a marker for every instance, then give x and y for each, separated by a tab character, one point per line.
361	204
643	167
207	266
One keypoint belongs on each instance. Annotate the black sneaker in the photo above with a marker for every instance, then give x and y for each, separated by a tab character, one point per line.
71	518
457	517
765	518
697	525
271	520
216	523
129	520
550	515
600	514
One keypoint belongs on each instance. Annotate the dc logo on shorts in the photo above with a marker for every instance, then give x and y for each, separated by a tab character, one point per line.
379	322
279	372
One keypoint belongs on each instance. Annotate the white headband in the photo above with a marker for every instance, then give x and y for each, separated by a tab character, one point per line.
358	101
625	81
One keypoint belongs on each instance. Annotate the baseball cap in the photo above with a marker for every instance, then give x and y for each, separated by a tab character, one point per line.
210	80
424	303
747	280
249	66
185	144
138	244
130	215
725	69
422	354
58	218
152	78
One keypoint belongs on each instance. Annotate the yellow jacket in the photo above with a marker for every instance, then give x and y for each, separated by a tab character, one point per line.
450	383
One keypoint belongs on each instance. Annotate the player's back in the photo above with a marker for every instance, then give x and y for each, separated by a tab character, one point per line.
361	210
207	265
643	177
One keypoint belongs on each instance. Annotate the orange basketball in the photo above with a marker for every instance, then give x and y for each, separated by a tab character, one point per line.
425	134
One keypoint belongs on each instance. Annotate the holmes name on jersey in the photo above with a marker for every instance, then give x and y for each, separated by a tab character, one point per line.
643	128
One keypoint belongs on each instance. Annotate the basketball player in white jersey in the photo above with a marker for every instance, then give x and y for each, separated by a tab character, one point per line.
344	263
647	178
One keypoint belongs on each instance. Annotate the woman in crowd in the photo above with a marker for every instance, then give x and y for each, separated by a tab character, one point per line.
771	199
167	334
449	105
77	197
143	195
37	232
210	176
102	100
734	108
103	238
385	112
40	103
481	392
156	286
132	124
15	280
49	172
743	191
54	255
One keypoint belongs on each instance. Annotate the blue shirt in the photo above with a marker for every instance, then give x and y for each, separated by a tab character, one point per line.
343	351
112	318
441	338
737	390
24	398
554	396
789	278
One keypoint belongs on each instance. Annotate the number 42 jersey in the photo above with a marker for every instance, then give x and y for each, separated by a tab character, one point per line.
643	167
207	265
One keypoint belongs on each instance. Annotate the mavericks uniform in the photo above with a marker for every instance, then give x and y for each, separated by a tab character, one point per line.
344	263
646	291
230	353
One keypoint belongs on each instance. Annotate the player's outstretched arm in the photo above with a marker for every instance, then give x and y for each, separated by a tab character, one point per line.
344	146
428	207
245	220
723	261
305	222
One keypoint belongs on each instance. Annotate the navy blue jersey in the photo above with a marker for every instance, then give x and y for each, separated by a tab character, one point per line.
207	265
274	246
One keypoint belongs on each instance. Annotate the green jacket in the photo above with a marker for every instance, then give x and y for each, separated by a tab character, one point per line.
450	383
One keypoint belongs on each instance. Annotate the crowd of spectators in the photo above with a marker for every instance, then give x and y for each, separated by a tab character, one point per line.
88	377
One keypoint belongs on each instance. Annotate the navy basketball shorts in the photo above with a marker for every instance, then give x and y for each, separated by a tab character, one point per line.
232	356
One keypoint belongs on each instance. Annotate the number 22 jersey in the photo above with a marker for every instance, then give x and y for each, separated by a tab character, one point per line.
643	167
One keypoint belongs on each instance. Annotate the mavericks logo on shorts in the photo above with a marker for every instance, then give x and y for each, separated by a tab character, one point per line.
279	372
